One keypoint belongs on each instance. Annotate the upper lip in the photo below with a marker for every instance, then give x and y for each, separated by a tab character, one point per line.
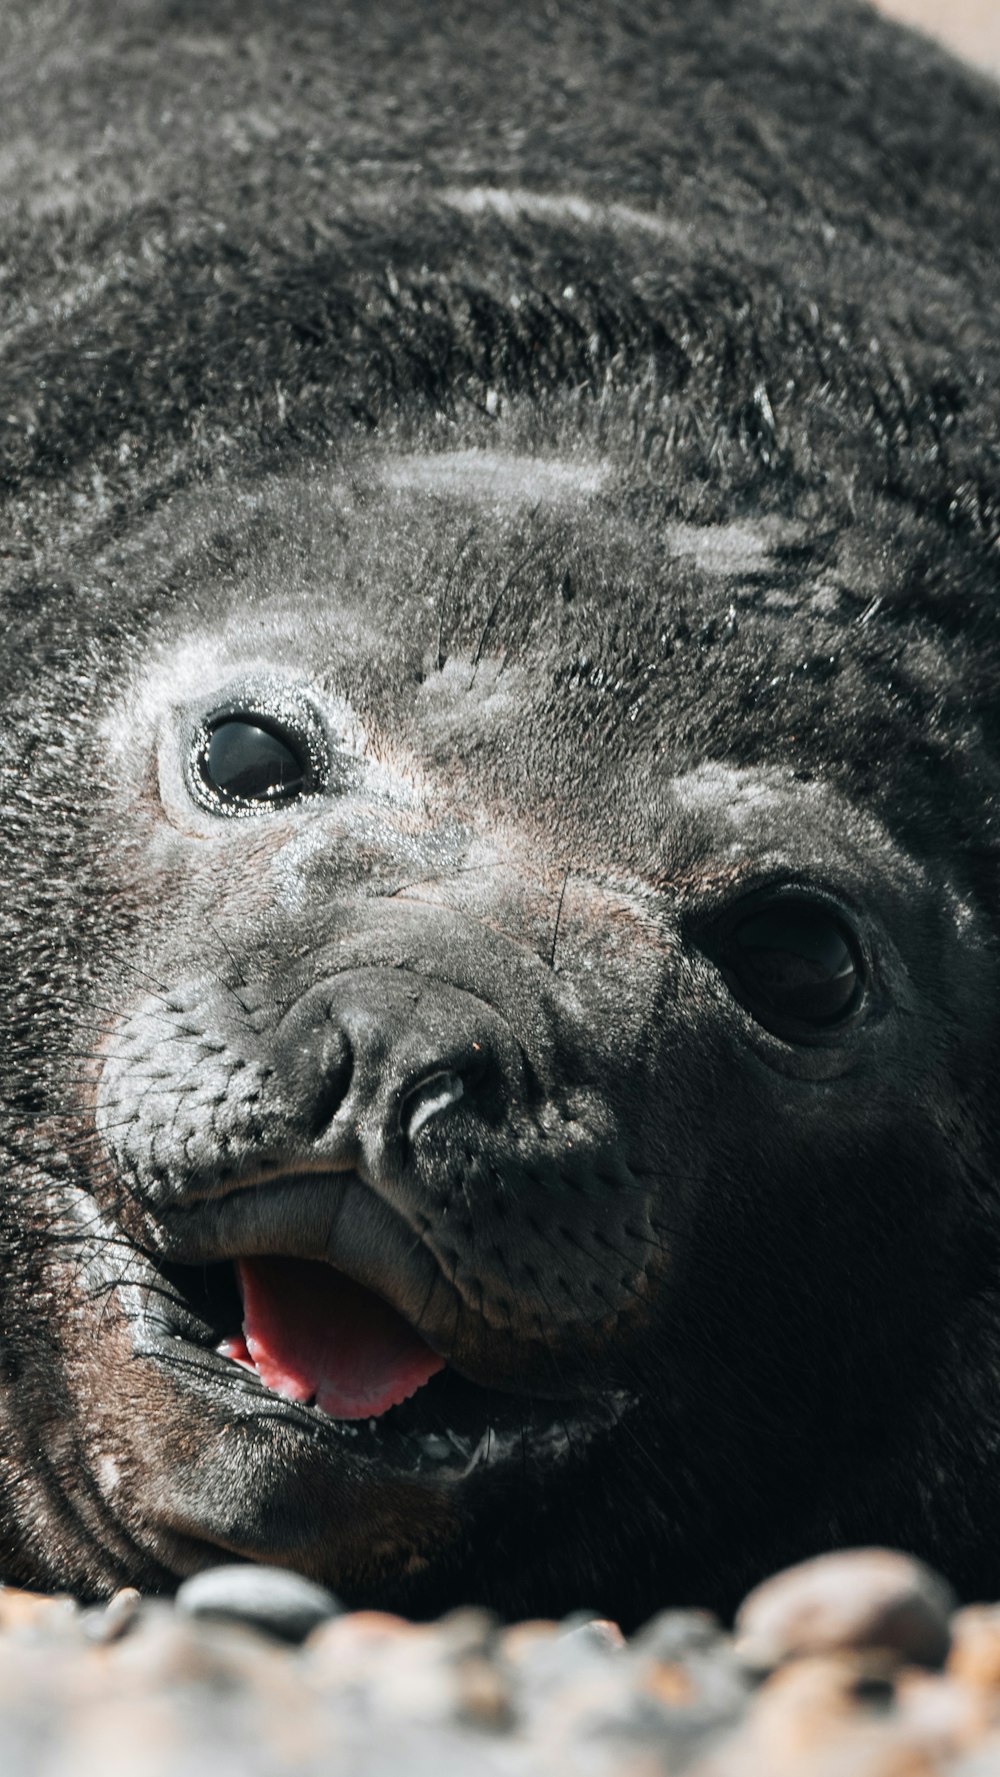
339	1218
310	1212
225	1185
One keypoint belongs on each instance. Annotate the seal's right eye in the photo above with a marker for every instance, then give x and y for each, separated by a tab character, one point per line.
794	964
243	761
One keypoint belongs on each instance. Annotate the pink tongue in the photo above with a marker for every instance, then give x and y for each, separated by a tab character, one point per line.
309	1332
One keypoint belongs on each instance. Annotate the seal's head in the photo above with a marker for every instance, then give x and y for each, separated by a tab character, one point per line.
499	975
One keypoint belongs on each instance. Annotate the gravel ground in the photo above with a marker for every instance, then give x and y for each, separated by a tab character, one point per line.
854	1664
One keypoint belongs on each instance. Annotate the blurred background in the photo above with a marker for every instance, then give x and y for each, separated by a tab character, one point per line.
970	27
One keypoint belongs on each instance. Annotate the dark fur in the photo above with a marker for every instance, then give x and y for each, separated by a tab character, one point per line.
239	259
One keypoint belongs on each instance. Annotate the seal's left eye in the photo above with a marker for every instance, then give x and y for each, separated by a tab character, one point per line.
242	761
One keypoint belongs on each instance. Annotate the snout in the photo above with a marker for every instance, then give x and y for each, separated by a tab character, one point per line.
417	1123
369	1059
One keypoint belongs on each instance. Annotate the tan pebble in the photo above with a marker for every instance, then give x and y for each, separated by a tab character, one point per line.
35	1610
415	1684
858	1598
519	1642
482	1695
119	1614
344	1653
808	1721
435	1673
465	1631
401	1668
948	1716
166	1648
123	1602
975	1646
356	1627
599	1726
802	1702
669	1684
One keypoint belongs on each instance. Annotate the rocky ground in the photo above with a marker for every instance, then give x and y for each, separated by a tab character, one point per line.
854	1665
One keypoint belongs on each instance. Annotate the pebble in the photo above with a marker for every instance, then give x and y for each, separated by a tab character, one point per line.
254	1670
596	1633
857	1598
270	1598
115	1618
975	1647
679	1635
35	1616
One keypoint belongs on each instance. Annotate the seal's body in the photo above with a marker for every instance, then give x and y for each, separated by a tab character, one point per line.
499	949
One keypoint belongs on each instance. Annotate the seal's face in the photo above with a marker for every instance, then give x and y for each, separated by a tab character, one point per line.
502	1131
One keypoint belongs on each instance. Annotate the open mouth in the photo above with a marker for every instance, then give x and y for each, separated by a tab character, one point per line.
320	1346
313	1335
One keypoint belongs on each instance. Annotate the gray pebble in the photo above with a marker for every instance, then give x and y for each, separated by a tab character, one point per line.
678	1634
689	1650
111	1621
268	1598
595	1634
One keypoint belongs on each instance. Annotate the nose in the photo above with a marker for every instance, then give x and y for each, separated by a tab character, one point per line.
374	1056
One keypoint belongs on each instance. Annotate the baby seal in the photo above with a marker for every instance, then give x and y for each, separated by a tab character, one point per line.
499	950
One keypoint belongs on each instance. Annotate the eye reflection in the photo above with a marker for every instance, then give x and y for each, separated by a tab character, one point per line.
794	964
243	761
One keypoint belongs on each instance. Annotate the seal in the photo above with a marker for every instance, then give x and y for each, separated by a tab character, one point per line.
499	950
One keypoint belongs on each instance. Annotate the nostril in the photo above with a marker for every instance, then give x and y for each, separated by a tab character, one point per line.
438	1092
336	1071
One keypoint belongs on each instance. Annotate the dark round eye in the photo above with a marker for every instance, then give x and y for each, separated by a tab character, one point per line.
242	761
794	964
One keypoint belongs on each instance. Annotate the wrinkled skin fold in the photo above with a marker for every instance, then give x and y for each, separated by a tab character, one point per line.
499	785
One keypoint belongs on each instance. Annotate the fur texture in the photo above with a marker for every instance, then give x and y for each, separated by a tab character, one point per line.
594	408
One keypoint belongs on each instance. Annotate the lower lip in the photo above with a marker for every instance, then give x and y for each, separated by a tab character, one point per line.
420	1438
451	1431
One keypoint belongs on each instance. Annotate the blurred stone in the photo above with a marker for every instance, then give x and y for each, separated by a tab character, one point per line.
686	1664
975	1649
670	1683
418	1679
675	1634
712	1685
466	1631
579	1654
432	1674
341	1656
168	1648
113	1620
858	1598
810	1720
482	1695
37	1615
272	1599
519	1642
981	1761
183	1692
948	1716
629	1719
599	1633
